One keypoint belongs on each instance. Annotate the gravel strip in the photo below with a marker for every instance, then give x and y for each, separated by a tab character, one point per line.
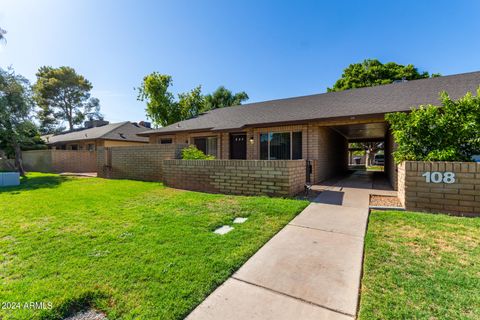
384	201
90	314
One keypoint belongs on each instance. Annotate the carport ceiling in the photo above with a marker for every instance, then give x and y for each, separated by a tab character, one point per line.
363	131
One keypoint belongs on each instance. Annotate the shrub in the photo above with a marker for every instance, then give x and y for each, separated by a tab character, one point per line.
192	153
432	133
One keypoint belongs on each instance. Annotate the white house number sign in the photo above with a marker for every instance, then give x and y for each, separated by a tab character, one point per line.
439	177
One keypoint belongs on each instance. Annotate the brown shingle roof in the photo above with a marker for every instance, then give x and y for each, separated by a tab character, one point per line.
124	131
355	102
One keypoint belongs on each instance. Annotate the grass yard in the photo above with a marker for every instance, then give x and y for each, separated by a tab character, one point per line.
135	250
421	266
375	168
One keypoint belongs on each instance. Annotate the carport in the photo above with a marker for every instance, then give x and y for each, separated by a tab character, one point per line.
368	133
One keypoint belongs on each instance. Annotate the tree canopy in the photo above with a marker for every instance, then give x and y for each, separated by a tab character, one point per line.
63	95
222	97
372	72
433	133
16	106
163	109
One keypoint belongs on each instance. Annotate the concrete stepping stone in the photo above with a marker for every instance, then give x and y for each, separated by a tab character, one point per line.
240	220
223	229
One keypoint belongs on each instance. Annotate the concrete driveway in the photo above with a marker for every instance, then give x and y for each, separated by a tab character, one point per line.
310	270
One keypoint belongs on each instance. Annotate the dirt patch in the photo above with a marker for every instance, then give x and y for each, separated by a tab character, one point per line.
90	314
384	201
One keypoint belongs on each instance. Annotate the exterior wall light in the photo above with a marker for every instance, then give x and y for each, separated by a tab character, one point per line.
251	140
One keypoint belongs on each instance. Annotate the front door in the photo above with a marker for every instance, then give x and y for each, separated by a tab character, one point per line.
238	146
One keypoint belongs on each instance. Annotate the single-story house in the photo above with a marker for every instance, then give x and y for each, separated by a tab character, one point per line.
315	127
98	133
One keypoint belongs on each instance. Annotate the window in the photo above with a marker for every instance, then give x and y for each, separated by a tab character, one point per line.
281	146
166	141
74	147
207	145
91	147
296	145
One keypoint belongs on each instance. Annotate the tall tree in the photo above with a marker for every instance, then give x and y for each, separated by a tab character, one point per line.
63	95
16	106
191	103
372	72
222	97
163	109
161	105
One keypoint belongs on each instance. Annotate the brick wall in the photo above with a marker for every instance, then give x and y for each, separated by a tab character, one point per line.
57	161
401	183
247	177
320	143
390	165
74	161
136	162
332	158
461	197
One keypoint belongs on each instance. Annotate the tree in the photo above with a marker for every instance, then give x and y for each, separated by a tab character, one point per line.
222	97
16	106
163	109
369	149
63	95
372	72
161	105
432	133
369	73
191	103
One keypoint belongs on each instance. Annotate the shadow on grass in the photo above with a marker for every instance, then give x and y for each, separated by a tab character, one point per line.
72	306
33	183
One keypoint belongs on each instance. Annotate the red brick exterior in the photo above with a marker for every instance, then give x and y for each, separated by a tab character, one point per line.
461	197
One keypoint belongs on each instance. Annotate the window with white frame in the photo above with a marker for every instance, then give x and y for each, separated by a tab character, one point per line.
281	145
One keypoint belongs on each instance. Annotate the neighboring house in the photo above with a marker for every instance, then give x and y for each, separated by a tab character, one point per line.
98	133
316	127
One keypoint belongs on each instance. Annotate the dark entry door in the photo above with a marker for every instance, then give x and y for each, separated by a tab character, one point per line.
238	146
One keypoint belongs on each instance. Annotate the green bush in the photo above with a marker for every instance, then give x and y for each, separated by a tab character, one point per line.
432	133
192	153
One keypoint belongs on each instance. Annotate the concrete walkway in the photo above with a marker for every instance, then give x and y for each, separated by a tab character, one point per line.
310	270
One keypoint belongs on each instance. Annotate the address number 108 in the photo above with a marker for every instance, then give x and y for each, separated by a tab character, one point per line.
439	177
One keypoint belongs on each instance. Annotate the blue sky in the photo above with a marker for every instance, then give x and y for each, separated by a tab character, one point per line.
270	49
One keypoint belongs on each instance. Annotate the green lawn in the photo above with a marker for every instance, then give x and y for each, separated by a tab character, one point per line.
421	266
375	168
135	250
